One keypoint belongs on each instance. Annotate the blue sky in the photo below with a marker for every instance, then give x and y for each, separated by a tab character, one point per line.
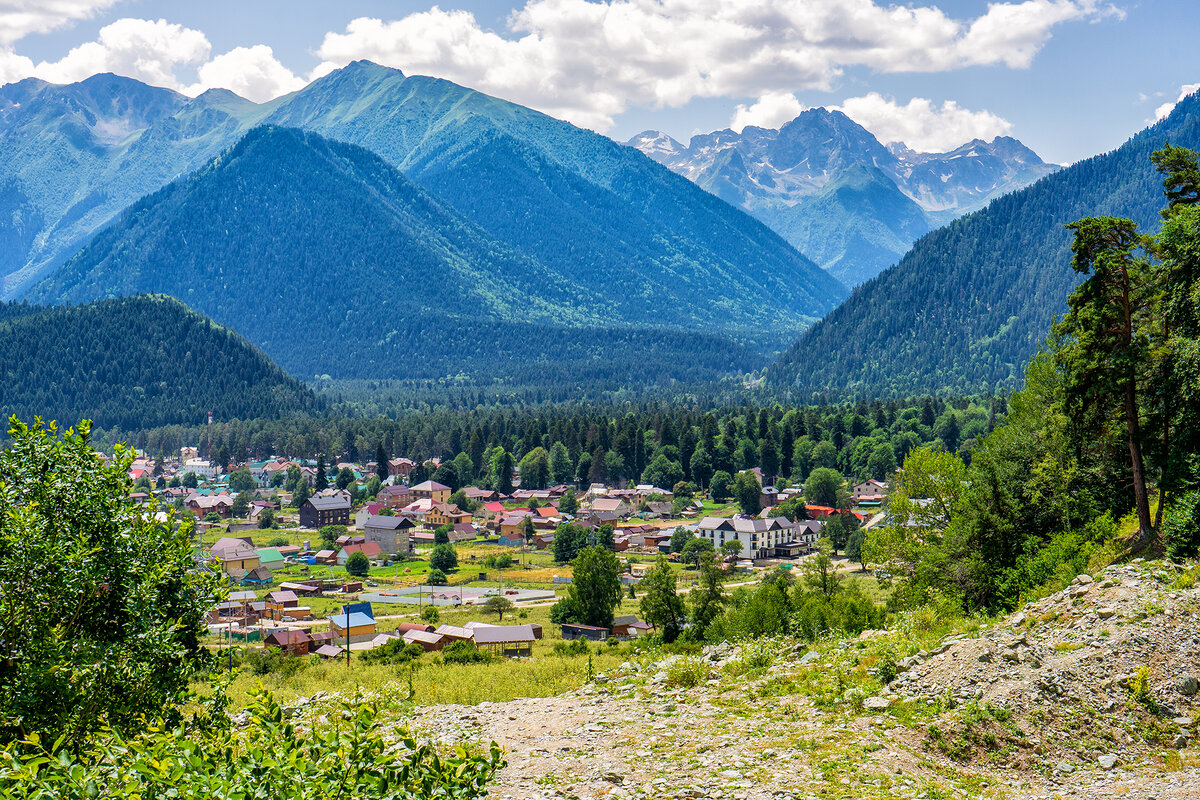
1070	78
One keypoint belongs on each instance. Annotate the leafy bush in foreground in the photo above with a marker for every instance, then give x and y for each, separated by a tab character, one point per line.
269	760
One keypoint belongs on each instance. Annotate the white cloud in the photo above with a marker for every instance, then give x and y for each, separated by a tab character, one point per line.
1166	108
588	60
143	49
19	18
771	110
252	72
922	125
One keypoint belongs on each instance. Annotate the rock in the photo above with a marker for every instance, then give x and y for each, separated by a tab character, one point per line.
1019	619
876	703
810	657
1108	762
1064	767
1104	612
1188	685
1180	742
1083	580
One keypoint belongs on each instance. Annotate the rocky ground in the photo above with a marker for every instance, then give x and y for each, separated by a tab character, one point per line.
1090	692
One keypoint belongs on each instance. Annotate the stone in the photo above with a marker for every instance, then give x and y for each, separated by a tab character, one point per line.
1064	767
1107	761
1188	685
1180	742
1104	612
1083	580
810	657
876	703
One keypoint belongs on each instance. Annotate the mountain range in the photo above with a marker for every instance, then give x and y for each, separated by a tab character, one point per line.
605	238
134	363
967	307
837	194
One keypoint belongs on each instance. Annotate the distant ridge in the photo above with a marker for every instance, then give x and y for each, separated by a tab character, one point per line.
966	308
829	187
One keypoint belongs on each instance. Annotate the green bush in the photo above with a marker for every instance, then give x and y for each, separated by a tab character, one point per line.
269	760
437	577
464	653
396	651
687	671
358	564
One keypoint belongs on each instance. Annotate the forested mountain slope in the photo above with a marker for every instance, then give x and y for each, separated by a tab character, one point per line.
965	309
135	362
335	263
592	213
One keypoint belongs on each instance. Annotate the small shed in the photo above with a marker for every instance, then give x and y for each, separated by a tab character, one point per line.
428	641
291	641
628	626
592	633
509	640
329	651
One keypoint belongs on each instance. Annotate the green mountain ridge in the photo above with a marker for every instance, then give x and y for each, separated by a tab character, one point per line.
595	213
335	263
969	304
137	362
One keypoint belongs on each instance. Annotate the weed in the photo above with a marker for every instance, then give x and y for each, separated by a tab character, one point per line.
687	671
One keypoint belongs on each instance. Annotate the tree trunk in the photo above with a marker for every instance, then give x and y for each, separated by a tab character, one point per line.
1141	499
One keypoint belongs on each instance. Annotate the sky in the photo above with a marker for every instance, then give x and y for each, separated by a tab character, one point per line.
1070	78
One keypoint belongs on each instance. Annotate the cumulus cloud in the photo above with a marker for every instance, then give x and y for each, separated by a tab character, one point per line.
922	125
252	72
1166	108
147	50
19	18
588	60
771	110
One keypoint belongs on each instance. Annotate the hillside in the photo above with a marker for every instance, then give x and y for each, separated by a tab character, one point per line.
596	216
334	263
965	309
829	187
136	362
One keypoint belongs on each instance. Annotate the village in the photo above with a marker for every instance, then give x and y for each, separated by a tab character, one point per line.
328	562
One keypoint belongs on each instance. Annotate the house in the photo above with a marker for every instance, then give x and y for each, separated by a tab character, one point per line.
759	538
319	638
417	509
463	532
328	557
282	598
202	505
358	624
508	640
820	512
234	554
317	512
401	467
628	626
869	492
396	496
512	526
592	633
392	535
445	514
293	642
342	541
259	576
428	640
431	490
270	557
369	549
491	511
612	505
768	496
480	495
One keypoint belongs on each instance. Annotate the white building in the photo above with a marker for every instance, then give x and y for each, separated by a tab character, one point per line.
775	537
202	468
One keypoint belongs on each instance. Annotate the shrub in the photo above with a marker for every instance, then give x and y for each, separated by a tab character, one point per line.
1139	688
358	564
576	647
444	558
437	577
397	651
430	613
271	760
687	671
464	653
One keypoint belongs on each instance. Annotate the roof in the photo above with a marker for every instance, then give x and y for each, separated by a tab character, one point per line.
329	651
502	634
328	503
326	553
283	596
290	636
430	486
608	503
581	627
235	552
422	636
369	549
629	621
357	619
453	631
404	627
269	554
388	523
494	507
